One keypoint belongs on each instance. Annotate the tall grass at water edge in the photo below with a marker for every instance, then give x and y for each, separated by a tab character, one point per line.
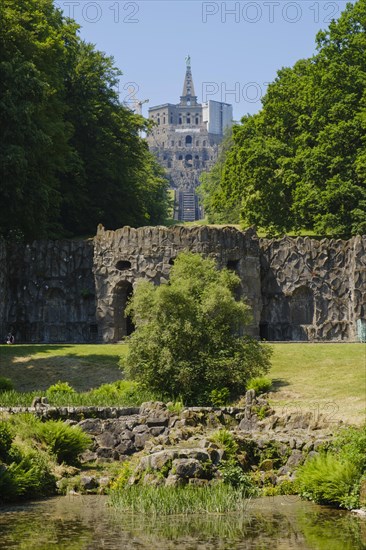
217	498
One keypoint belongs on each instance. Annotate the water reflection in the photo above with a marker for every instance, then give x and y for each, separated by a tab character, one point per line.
83	523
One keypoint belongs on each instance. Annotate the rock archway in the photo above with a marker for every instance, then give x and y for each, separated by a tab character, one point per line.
123	325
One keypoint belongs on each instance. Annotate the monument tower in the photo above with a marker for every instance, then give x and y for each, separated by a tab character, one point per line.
185	140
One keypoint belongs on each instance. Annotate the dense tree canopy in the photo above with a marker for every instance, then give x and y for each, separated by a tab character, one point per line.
70	153
301	161
188	339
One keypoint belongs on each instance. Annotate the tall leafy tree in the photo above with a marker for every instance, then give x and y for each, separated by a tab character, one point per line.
71	155
300	162
33	140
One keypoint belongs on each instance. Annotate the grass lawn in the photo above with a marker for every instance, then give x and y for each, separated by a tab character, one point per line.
84	366
325	378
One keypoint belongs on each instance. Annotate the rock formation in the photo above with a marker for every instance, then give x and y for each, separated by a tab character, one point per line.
76	291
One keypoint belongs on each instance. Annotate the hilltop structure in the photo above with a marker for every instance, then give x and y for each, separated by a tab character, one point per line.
185	141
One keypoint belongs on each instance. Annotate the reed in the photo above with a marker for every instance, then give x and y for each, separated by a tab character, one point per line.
216	498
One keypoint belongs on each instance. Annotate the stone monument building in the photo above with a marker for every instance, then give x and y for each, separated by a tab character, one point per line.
185	140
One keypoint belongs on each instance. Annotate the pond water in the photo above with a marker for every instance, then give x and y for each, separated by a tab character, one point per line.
87	523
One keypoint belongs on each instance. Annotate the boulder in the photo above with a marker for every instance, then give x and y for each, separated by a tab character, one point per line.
295	459
88	483
92	426
187	467
106	439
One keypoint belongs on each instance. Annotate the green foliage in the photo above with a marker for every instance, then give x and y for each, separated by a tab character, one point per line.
216	210
65	442
226	441
188	339
220	398
176	407
261	411
157	501
31	477
334	476
126	392
71	153
300	162
350	443
120	393
5	384
24	425
259	385
124	474
6	439
233	475
328	480
59	387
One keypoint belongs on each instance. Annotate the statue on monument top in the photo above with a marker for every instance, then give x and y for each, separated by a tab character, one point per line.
188	60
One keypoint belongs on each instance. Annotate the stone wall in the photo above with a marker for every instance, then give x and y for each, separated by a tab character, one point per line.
312	290
124	257
51	294
180	444
76	291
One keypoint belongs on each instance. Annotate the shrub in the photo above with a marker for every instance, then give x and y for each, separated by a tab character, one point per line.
226	441
126	392
233	474
334	476
189	334
5	384
6	439
219	398
327	479
350	443
25	425
59	387
30	477
176	407
259	385
124	475
64	441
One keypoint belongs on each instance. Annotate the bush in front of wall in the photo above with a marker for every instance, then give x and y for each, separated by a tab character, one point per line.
6	439
5	384
59	387
65	442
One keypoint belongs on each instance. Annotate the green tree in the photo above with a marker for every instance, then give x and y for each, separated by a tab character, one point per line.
115	180
33	141
189	333
300	162
71	155
216	210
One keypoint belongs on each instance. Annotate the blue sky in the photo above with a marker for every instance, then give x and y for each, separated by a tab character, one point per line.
235	47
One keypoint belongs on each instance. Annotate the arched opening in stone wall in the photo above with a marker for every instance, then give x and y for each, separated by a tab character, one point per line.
302	306
123	326
188	140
